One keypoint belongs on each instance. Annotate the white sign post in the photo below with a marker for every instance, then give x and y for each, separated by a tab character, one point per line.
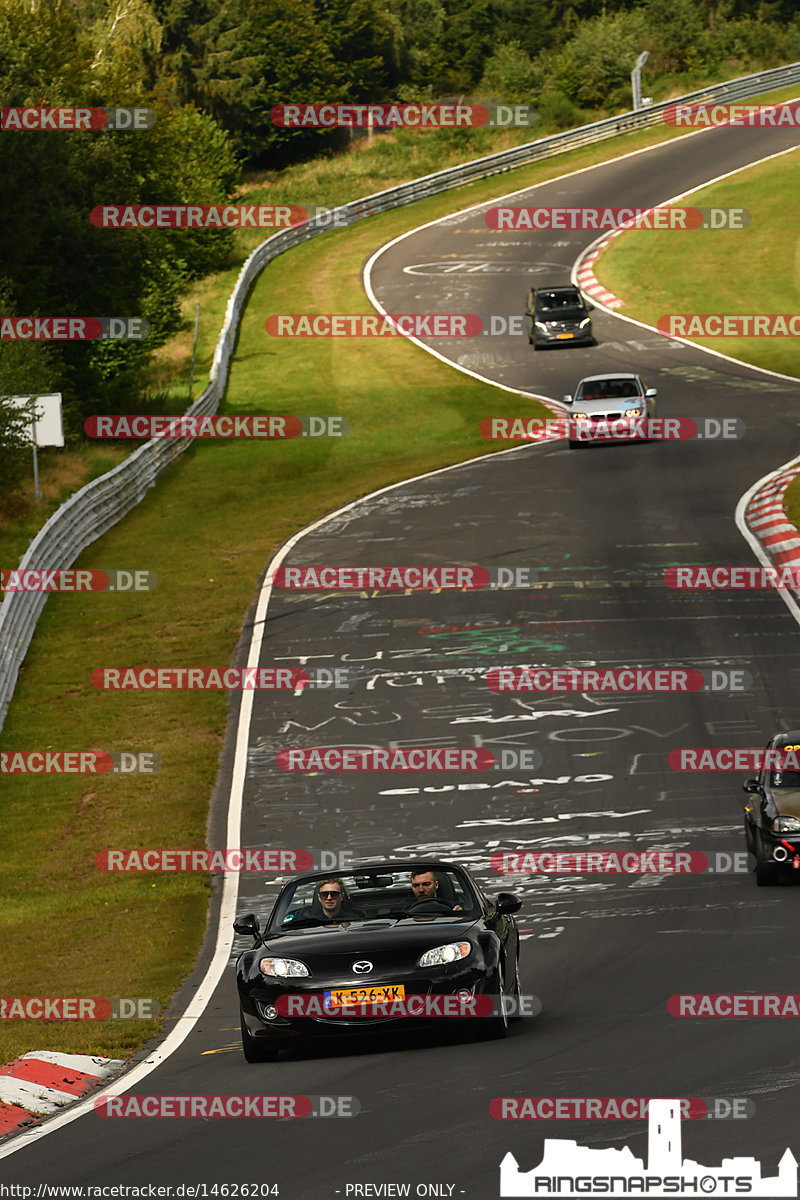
46	425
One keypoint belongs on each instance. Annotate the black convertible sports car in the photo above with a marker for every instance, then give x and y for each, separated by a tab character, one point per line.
772	813
385	945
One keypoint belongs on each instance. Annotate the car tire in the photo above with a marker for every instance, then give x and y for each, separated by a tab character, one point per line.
254	1049
516	991
767	871
496	1026
749	839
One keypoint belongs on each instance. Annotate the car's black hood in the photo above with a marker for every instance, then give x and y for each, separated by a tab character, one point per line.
366	937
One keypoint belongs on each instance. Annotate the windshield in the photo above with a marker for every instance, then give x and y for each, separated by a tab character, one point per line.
785	779
385	893
559	303
607	389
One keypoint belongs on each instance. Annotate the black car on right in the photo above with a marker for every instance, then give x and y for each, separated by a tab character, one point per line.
772	812
559	317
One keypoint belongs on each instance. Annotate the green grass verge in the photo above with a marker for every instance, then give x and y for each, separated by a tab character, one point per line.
207	528
751	270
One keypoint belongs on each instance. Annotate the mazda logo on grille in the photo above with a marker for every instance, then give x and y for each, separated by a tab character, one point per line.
362	967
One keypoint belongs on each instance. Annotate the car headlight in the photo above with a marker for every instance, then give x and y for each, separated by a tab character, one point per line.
283	968
585	321
452	952
634	412
580	416
786	825
541	325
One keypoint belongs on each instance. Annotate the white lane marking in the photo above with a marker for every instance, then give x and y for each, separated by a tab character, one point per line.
222	952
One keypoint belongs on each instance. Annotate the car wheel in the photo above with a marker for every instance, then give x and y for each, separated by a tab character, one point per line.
516	992
749	840
767	871
254	1049
497	1026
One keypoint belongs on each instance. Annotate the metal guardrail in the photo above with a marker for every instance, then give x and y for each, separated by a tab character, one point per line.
99	505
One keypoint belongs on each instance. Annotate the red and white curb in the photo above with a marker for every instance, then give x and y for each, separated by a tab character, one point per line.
42	1082
587	280
766	518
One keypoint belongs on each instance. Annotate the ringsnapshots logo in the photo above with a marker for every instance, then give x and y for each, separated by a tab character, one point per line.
63	120
568	1169
215	679
78	762
246	860
401	578
606	427
727	578
616	1108
622	679
402	116
223	216
205	1107
701	116
621	862
73	329
660	217
729	325
287	425
78	1008
55	579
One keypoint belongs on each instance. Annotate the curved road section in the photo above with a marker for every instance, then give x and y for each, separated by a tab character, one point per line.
603	952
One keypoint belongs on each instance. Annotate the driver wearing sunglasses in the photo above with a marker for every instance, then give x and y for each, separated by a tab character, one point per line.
334	903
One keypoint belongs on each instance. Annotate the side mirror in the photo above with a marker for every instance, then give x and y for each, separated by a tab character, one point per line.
651	392
567	399
751	785
247	924
590	308
528	312
507	902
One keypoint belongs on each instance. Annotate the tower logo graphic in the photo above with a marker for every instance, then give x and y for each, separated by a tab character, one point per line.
568	1169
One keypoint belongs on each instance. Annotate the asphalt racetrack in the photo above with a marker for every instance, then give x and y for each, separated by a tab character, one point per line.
603	953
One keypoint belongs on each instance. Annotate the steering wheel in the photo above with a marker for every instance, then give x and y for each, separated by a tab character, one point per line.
427	905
